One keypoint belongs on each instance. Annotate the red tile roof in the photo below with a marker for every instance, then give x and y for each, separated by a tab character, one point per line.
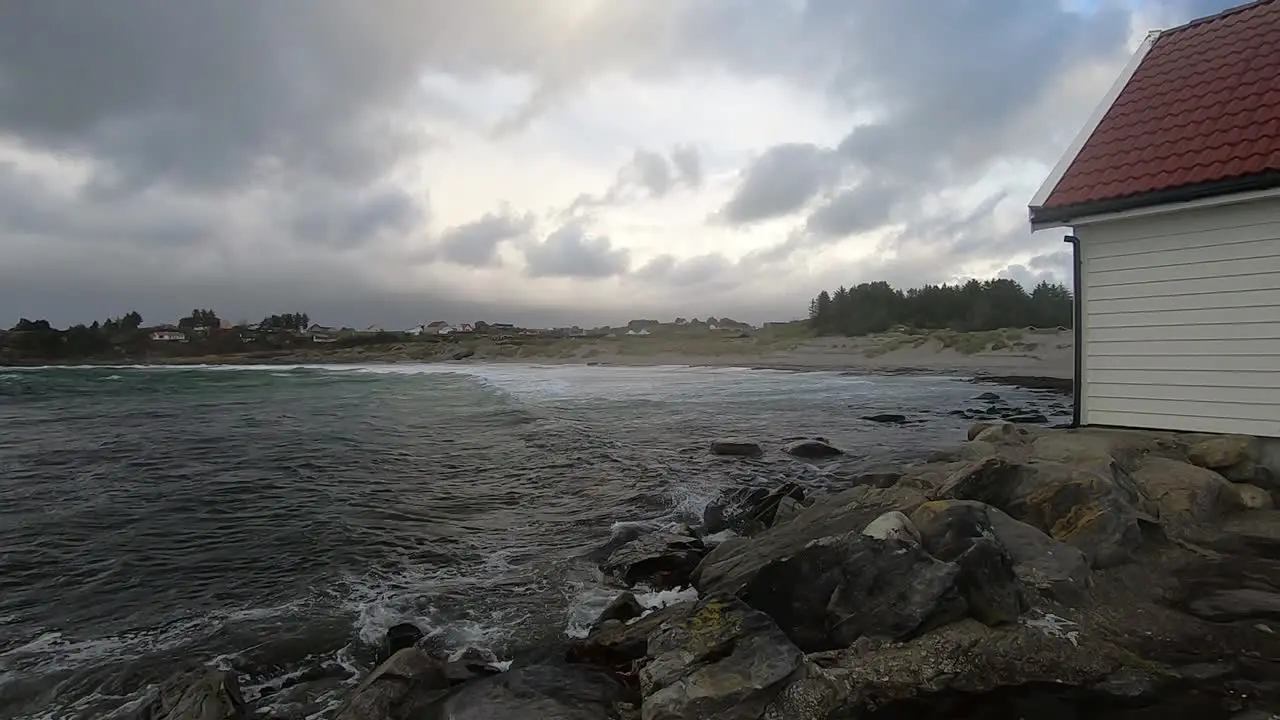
1203	107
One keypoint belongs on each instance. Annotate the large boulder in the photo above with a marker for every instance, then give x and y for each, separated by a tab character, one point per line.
727	569
1238	458
402	688
1183	494
748	511
1042	565
1095	508
660	560
546	692
616	643
736	448
834	591
723	660
812	449
200	695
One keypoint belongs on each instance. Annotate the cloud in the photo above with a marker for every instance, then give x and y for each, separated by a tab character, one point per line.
476	243
780	181
570	252
341	156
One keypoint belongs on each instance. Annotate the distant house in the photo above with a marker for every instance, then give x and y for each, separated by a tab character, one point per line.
169	336
641	331
373	329
1172	195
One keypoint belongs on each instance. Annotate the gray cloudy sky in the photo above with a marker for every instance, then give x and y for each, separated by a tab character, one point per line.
537	161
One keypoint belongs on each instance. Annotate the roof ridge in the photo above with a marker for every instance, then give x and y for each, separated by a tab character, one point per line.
1216	16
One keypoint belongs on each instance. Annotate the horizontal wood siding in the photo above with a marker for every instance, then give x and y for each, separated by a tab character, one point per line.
1181	320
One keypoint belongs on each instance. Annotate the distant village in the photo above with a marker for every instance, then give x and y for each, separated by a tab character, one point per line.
319	333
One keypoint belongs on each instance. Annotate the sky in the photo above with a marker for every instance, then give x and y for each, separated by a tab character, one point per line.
544	162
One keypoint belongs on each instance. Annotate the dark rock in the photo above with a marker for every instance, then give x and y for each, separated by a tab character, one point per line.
1184	495
1132	684
1053	569
830	593
1094	509
713	520
1026	417
624	607
564	692
469	664
788	508
812	449
727	569
989	584
462	354
399	637
404	687
736	448
615	644
748	511
1066	386
661	560
199	695
722	660
1237	604
987	396
893	418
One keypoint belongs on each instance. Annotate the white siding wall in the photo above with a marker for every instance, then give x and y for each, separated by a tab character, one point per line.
1181	320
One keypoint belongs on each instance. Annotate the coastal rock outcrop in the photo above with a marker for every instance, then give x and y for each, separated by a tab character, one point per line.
402	688
660	560
617	644
200	695
833	591
547	692
1183	494
722	660
727	569
751	510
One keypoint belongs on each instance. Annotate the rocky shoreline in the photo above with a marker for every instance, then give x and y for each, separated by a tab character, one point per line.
1028	572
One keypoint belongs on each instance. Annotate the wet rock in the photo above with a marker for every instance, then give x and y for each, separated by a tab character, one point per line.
200	695
402	688
737	448
1042	565
891	418
788	508
561	692
469	664
989	584
1097	511
713	520
751	511
723	660
462	354
1003	433
1237	604
714	540
893	525
727	568
968	658
1183	494
1251	497
1032	418
812	449
831	592
987	396
624	607
615	644
661	560
399	637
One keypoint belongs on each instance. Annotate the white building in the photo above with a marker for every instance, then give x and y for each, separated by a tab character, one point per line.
168	336
1172	195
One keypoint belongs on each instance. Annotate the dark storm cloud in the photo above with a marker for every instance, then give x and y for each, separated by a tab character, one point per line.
476	243
569	251
865	206
343	223
782	180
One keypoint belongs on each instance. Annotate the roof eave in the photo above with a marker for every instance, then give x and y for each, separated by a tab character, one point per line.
1229	190
1095	119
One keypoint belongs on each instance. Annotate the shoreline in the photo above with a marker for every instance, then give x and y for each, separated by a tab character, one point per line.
1055	383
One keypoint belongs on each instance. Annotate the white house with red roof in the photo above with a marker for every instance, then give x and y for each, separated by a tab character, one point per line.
1172	195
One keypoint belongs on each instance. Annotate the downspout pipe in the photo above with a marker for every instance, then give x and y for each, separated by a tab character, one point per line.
1077	312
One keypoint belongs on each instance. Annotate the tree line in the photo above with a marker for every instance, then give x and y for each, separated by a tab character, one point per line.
975	305
127	335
